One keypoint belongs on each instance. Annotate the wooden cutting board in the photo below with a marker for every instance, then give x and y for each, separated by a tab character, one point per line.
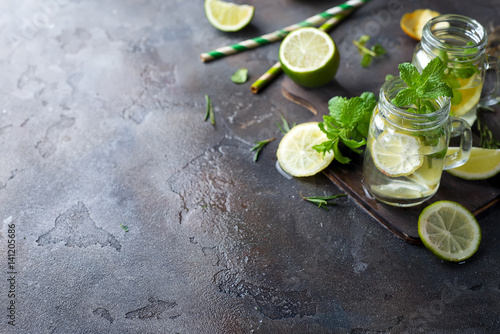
477	196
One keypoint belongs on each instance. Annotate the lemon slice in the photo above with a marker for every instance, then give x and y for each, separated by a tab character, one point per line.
449	230
227	16
309	57
296	154
470	92
413	23
396	154
483	163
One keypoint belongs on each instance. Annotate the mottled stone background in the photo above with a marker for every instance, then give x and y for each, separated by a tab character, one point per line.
101	126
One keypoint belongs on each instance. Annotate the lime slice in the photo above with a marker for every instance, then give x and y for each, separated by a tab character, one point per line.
483	163
449	230
309	57
296	154
469	92
228	16
396	154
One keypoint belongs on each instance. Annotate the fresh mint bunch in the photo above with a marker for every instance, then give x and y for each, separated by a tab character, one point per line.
422	88
348	123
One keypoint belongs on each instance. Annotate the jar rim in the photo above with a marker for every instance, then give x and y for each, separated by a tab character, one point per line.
472	29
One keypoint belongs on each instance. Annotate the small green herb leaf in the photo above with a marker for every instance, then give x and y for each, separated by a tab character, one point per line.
259	145
322	201
285	127
124	227
240	76
210	110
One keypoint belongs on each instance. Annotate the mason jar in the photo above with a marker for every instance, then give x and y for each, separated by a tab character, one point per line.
460	42
406	152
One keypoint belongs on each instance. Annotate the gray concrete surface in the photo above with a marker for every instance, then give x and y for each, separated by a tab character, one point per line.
101	125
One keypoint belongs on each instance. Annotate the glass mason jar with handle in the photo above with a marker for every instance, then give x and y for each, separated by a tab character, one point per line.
460	42
405	153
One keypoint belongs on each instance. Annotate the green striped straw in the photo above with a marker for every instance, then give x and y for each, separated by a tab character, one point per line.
274	71
280	34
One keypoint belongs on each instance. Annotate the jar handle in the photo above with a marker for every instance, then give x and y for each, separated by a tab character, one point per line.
460	128
492	96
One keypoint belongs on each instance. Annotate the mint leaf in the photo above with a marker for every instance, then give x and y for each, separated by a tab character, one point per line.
405	97
366	60
409	74
369	103
378	49
240	76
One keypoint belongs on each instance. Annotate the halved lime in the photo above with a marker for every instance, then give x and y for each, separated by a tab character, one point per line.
396	154
449	230
483	163
296	154
309	57
227	16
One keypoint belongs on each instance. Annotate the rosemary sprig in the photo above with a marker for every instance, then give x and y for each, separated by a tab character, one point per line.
285	128
487	140
210	110
322	201
259	145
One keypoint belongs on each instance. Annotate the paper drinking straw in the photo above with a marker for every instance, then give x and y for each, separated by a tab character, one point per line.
274	71
280	34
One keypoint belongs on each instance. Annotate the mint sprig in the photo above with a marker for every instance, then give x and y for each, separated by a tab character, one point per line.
347	123
422	88
368	54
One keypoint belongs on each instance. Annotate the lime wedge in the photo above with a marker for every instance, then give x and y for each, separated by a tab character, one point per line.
396	154
309	57
483	163
449	230
296	154
227	16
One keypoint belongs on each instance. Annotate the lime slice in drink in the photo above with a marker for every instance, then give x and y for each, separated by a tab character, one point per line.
228	16
449	230
483	163
296	154
309	57
396	154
